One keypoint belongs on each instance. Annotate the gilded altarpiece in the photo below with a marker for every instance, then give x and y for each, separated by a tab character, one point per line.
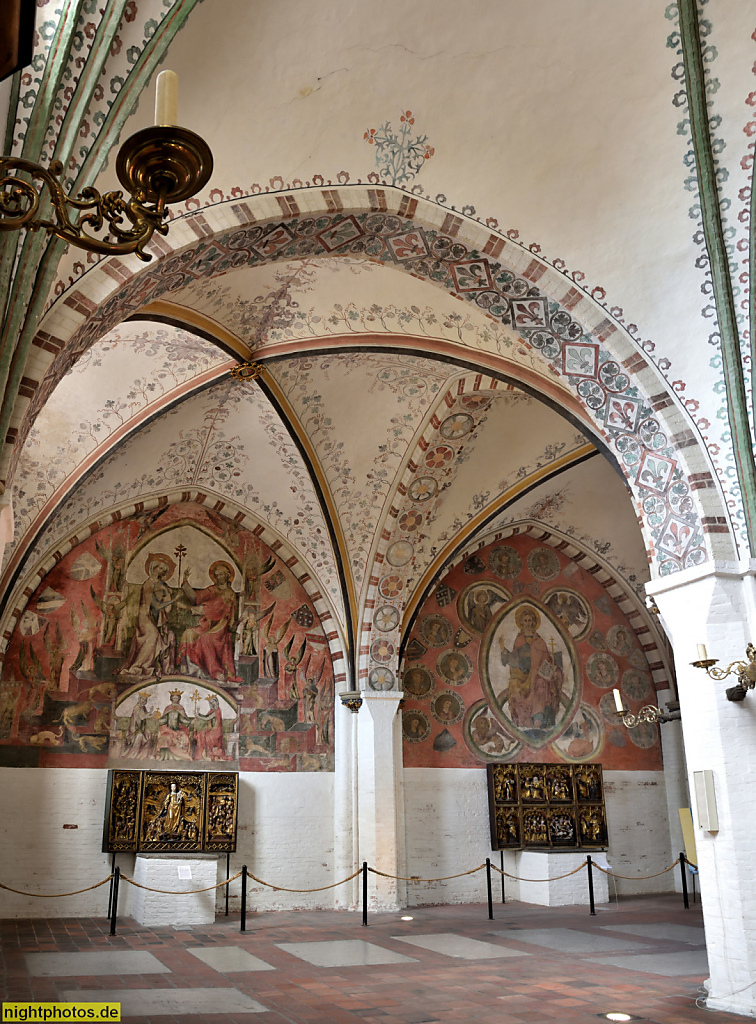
171	812
546	806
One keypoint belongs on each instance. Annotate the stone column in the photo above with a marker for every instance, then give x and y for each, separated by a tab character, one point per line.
675	779
346	833
715	604
380	815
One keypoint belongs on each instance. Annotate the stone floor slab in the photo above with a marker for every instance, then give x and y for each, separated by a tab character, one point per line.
344	953
569	940
669	965
143	1002
662	930
86	965
459	946
229	959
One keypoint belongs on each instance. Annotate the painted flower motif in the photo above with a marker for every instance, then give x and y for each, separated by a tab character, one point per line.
410	521
390	586
407	116
369	136
429	151
439	456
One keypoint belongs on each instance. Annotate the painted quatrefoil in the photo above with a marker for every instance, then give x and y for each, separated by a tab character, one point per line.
390	586
410	521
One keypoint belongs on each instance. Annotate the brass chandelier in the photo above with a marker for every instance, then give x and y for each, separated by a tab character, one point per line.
159	165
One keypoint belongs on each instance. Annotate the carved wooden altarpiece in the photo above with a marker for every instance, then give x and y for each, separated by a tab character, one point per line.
170	812
546	806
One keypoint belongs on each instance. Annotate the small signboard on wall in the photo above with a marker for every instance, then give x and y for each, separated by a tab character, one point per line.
546	806
178	812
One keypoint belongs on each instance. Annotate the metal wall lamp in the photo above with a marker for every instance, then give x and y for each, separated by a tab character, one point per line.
157	166
649	713
744	670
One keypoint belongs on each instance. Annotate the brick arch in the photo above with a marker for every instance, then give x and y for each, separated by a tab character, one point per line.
622	395
27	586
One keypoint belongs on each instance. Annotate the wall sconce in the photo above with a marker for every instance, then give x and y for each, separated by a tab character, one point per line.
649	713
158	165
351	699
745	671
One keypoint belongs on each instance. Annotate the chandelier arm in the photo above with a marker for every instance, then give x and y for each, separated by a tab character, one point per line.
723	673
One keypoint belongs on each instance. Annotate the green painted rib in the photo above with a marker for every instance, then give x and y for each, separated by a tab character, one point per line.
724	300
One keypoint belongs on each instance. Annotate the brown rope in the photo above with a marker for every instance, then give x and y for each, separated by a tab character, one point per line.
54	895
179	892
635	878
319	888
554	878
415	878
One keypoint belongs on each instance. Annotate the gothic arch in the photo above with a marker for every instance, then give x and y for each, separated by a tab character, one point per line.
621	394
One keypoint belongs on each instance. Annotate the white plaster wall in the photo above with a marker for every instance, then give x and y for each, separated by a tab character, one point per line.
285	837
446	814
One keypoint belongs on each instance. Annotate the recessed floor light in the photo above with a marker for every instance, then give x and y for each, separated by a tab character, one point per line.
617	1015
408	919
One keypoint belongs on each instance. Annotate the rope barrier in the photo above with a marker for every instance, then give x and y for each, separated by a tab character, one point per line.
415	878
319	888
555	878
635	878
178	892
54	895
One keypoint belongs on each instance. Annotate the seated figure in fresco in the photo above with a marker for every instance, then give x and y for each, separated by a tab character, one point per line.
209	733
174	733
208	647
535	680
151	654
137	740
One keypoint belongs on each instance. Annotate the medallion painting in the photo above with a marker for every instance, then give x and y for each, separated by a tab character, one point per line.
517	664
174	636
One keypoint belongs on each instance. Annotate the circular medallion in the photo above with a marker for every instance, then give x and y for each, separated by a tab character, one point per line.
382	650
456	426
410	521
543	564
620	640
399	553
638	660
415	725
636	685
417	681
454	667
505	561
390	586
422	488
439	456
597	640
617	737
608	710
475	402
447	707
602	670
572	609
382	679
485	735
644	735
386	618
584	737
435	630
478	604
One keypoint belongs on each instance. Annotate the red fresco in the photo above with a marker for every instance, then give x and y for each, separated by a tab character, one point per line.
514	657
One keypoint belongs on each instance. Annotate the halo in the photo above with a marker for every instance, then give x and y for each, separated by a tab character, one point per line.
163	559
227	565
531	611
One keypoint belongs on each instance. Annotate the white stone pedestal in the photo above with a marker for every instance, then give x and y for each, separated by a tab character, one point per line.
547	890
161	871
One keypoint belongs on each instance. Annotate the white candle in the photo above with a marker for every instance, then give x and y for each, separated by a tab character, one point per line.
618	699
702	655
166	98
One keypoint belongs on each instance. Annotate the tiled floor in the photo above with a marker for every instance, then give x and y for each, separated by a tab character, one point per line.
559	966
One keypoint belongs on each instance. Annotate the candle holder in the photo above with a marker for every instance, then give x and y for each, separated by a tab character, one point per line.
744	670
649	713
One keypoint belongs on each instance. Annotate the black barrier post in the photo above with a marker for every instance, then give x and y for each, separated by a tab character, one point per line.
488	886
686	904
244	899
110	893
114	907
589	862
364	893
503	898
228	875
